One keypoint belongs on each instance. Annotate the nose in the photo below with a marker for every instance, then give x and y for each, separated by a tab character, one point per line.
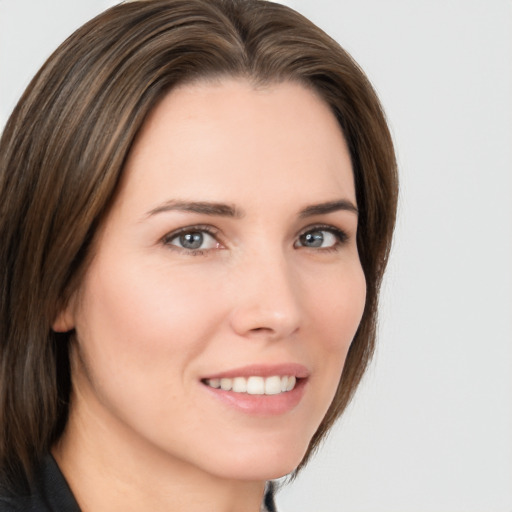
267	299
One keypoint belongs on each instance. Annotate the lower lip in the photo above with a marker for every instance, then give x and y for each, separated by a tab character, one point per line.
261	405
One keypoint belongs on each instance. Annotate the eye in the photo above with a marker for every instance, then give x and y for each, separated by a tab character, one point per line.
192	239
321	238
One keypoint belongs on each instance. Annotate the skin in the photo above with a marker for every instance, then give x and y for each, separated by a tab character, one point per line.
152	319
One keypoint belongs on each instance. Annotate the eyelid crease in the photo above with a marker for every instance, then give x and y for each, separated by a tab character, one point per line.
324	227
208	228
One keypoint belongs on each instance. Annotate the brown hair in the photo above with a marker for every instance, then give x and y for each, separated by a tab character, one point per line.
63	151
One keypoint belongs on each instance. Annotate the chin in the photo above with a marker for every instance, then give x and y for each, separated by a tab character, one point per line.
263	463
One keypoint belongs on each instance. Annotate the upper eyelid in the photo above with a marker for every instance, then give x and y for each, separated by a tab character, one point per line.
207	228
325	227
341	236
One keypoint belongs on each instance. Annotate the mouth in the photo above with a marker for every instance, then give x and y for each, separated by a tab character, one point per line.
254	384
262	390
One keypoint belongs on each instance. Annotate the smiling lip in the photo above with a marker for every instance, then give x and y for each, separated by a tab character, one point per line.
261	404
299	371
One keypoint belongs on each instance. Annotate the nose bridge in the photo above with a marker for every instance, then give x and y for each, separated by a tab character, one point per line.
267	299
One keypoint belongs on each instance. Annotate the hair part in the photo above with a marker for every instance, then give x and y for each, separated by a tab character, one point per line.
63	151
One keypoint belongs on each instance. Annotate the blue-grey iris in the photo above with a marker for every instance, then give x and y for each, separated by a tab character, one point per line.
312	239
192	240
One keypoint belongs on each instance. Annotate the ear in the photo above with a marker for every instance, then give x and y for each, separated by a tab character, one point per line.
65	320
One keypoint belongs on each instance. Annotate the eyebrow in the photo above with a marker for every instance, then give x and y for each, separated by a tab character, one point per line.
226	210
329	207
202	207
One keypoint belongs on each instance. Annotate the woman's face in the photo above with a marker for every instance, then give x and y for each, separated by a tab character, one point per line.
228	259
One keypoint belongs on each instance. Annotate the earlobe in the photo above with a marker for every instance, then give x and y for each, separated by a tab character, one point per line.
64	321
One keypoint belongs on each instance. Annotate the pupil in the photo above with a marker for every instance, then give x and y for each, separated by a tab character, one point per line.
315	239
191	240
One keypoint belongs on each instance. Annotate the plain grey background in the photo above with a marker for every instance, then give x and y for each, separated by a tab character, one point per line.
431	428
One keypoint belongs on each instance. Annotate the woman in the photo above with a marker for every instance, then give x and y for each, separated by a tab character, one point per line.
197	202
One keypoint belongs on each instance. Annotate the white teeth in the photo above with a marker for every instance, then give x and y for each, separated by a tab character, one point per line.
291	383
272	386
239	385
214	383
226	384
255	385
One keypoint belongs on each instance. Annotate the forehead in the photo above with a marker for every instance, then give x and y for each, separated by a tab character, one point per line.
233	139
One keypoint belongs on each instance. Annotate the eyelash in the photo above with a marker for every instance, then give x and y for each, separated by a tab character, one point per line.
200	228
341	238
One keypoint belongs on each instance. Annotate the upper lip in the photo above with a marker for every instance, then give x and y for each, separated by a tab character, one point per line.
264	370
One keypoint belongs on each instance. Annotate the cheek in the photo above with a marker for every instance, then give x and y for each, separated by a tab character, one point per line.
338	312
138	329
135	307
339	307
335	310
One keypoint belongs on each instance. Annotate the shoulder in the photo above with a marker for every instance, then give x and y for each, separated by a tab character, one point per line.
12	501
15	504
48	492
21	501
